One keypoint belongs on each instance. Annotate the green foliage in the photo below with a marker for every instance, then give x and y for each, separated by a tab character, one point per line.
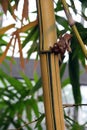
17	98
74	78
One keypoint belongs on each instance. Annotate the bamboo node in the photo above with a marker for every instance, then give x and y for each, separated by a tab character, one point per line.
70	19
44	51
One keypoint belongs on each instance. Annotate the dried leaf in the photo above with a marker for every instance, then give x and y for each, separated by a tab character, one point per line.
12	12
11	63
5	4
25	9
14	47
35	65
17	3
4	29
15	6
20	51
28	26
5	52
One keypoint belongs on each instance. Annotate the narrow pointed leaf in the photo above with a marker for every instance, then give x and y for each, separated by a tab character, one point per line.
25	9
62	69
27	81
4	29
20	51
74	78
30	36
4	4
40	119
28	26
5	52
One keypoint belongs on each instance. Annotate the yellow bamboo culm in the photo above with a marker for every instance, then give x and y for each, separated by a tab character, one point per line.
50	67
73	26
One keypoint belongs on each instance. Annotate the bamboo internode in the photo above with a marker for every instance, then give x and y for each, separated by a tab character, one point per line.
50	67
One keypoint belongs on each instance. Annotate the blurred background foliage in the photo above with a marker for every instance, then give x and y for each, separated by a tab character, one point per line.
21	100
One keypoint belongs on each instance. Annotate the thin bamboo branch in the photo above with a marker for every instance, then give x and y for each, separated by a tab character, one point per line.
73	26
73	105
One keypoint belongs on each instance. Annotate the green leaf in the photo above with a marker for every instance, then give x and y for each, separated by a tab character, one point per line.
62	69
40	119
37	86
2	42
27	81
76	49
76	126
33	104
59	6
74	78
65	82
82	31
73	6
30	36
33	48
84	3
62	21
28	112
36	76
15	83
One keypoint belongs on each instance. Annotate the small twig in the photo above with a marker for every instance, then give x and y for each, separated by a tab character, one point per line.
73	105
25	124
73	26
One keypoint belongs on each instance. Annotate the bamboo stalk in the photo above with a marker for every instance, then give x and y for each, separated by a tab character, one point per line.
50	67
73	26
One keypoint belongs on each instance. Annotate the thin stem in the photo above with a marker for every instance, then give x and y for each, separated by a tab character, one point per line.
73	105
80	40
72	24
26	124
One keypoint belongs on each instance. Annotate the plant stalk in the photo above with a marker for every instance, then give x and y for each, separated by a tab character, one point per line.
50	67
73	26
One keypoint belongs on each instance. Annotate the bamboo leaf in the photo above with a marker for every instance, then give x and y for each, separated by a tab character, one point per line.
4	29
58	6
27	81
25	9
5	52
62	69
82	31
33	104
28	26
16	3
74	43
4	4
29	112
30	36
84	3
62	21
2	42
73	6
40	119
15	83
20	51
11	10
74	78
33	48
65	82
37	86
35	73
76	126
